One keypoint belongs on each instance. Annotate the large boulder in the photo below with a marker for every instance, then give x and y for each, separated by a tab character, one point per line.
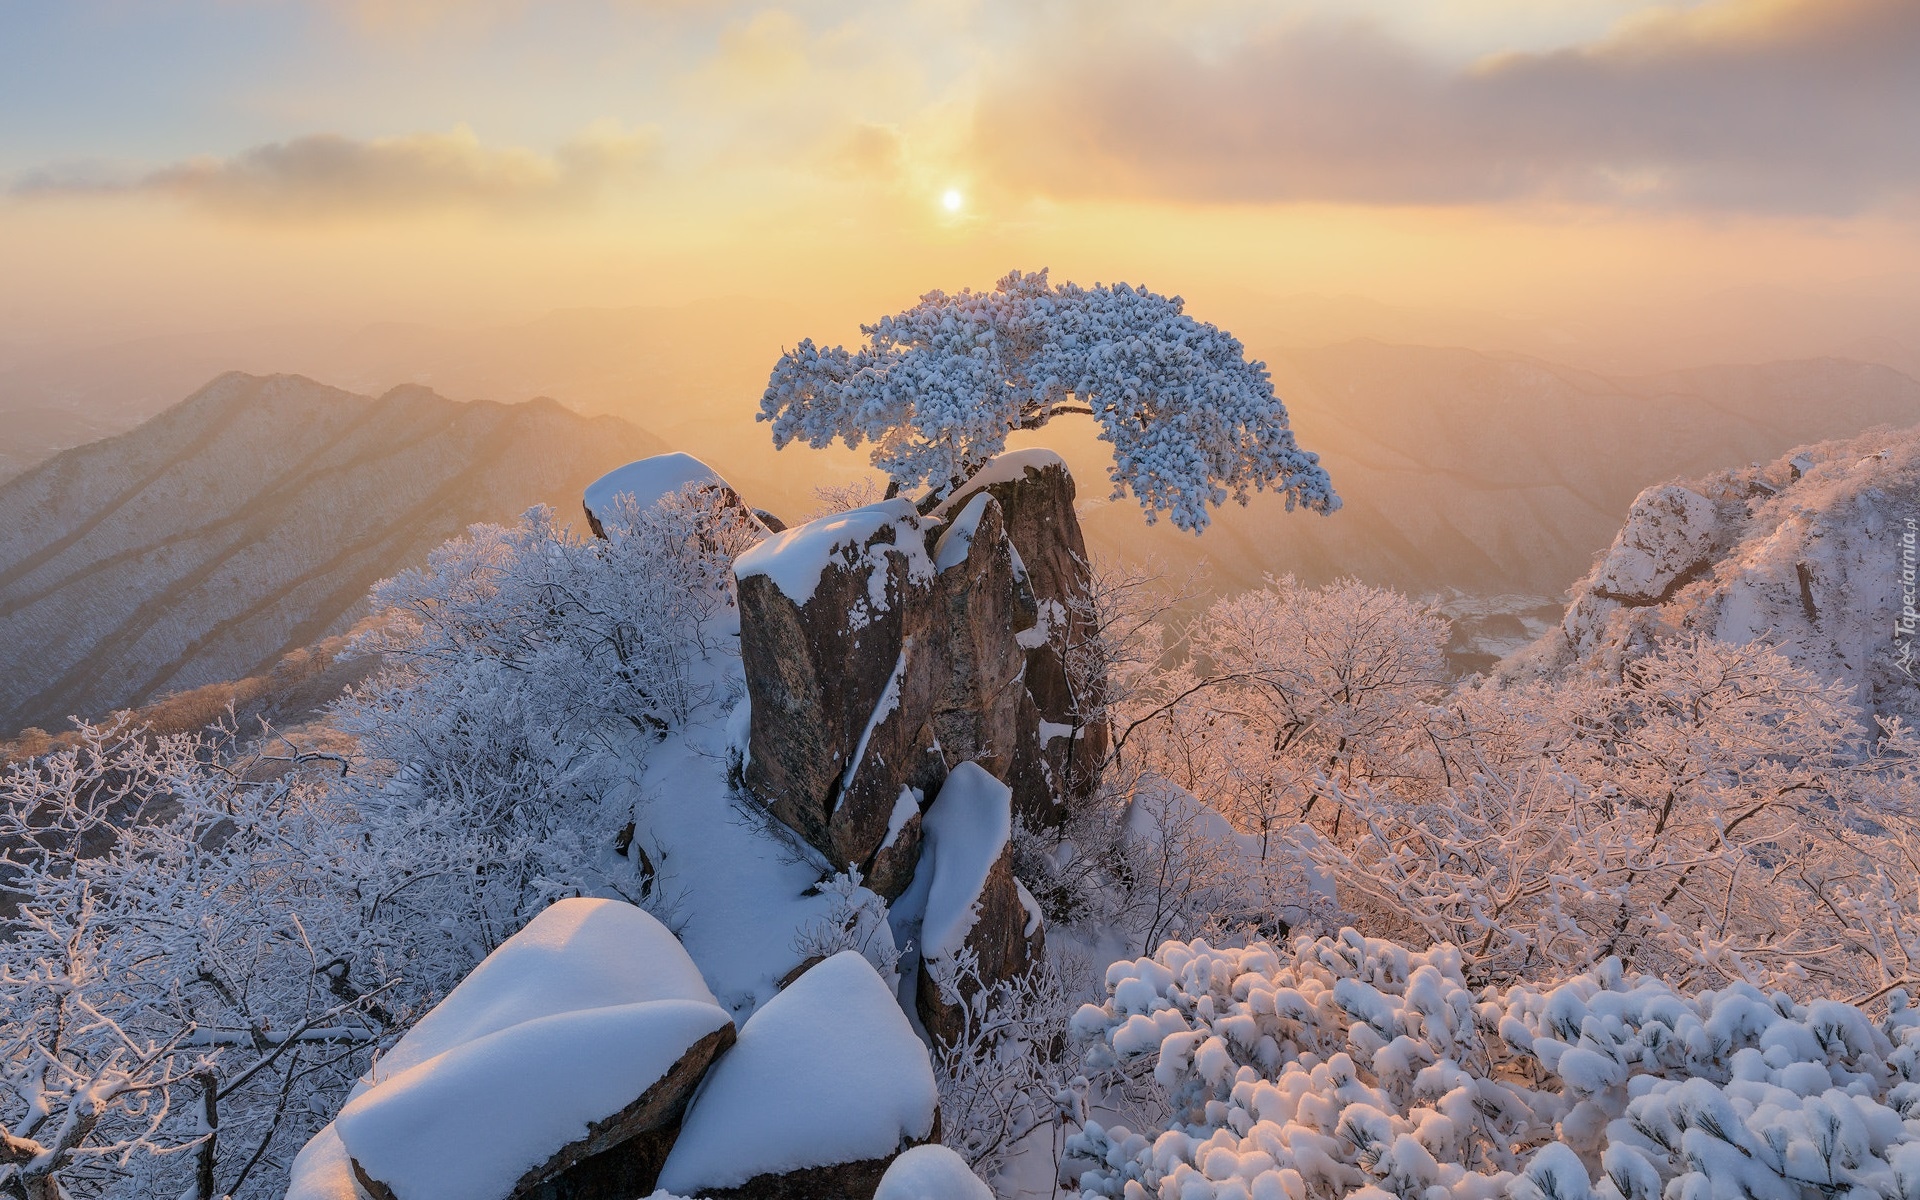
560	1067
975	925
1035	493
826	1086
1666	542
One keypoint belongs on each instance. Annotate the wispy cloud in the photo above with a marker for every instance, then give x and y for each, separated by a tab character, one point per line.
1775	105
327	176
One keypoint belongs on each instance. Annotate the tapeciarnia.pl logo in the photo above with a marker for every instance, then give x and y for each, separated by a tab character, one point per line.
1906	627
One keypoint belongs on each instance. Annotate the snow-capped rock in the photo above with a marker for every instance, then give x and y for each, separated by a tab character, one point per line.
931	1173
565	1059
965	900
1668	538
643	483
827	1084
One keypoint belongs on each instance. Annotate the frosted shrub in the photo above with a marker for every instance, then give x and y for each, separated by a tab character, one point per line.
519	662
1353	1066
186	981
938	388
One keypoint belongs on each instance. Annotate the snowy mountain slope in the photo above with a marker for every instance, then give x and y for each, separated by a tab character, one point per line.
249	521
1805	552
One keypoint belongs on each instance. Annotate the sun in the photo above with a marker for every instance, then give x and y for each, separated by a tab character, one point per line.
952	200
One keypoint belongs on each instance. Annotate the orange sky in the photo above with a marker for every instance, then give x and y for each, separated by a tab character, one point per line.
1589	164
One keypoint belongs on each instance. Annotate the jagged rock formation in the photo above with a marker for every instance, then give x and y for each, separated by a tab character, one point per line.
249	521
883	648
1035	494
839	685
1807	552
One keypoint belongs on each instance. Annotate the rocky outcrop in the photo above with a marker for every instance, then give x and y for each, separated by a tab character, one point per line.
1666	543
1805	552
1035	494
884	647
973	922
839	687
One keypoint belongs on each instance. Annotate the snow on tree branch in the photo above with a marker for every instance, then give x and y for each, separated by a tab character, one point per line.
938	388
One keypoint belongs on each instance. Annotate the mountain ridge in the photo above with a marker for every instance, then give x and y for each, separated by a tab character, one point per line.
248	521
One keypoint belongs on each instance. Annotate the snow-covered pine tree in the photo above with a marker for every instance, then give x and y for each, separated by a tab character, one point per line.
938	388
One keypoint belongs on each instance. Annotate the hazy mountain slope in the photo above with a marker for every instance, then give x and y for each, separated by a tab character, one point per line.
249	521
1493	474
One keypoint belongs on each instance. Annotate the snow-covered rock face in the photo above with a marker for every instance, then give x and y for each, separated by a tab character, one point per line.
1805	553
883	647
565	1059
826	1086
1667	538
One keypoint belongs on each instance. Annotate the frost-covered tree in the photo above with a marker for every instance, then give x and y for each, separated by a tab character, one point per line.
187	981
938	388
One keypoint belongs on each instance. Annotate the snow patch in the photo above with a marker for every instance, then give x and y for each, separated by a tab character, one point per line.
906	807
957	542
883	708
829	1071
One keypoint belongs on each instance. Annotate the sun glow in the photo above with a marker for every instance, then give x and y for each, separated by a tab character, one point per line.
952	200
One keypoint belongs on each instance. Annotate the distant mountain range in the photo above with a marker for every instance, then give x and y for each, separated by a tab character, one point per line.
248	522
251	519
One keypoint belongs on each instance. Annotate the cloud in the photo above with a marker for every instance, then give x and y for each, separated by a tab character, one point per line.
1777	105
327	176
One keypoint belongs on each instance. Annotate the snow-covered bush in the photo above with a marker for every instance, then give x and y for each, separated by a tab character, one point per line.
938	388
1351	1066
520	662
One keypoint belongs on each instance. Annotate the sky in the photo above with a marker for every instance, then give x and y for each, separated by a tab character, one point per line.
202	164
